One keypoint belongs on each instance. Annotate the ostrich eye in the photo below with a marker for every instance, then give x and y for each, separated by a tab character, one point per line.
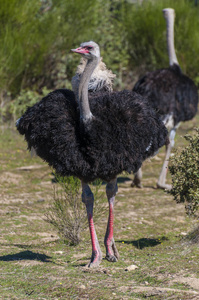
89	48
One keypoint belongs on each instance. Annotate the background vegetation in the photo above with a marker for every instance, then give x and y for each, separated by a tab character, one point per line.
36	37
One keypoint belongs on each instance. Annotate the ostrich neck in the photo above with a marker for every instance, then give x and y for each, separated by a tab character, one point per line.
85	113
170	40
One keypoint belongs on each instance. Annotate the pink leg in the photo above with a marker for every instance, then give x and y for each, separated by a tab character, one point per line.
88	199
162	178
111	250
161	184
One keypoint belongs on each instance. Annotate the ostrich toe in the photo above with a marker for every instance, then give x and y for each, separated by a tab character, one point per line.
112	254
164	186
96	259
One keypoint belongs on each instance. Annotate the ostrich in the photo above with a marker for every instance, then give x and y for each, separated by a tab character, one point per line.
93	138
172	93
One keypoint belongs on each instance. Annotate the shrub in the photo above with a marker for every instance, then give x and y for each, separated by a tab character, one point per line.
67	212
12	110
184	170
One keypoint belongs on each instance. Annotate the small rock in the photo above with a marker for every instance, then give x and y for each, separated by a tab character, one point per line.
58	252
146	282
131	268
82	287
40	200
183	233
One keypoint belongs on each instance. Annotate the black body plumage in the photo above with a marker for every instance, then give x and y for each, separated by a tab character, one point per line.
170	92
125	131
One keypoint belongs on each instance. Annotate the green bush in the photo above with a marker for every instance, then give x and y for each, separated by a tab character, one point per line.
184	170
12	110
36	37
68	213
29	34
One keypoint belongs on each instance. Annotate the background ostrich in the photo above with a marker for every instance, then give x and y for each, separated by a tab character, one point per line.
123	131
172	93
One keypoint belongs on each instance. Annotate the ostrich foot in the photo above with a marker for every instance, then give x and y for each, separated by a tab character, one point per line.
112	254
96	259
137	180
111	258
164	186
136	183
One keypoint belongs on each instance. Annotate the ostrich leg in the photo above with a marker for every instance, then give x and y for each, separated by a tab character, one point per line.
88	199
111	250
137	179
162	178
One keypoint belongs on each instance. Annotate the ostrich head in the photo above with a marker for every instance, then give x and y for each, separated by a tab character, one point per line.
101	78
88	50
168	12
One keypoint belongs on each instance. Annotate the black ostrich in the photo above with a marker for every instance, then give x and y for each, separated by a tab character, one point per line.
172	93
96	138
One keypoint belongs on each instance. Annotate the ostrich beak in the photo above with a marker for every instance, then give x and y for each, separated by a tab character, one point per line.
80	50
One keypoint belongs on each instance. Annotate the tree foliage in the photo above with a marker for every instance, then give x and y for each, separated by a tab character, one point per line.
36	37
184	170
30	34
